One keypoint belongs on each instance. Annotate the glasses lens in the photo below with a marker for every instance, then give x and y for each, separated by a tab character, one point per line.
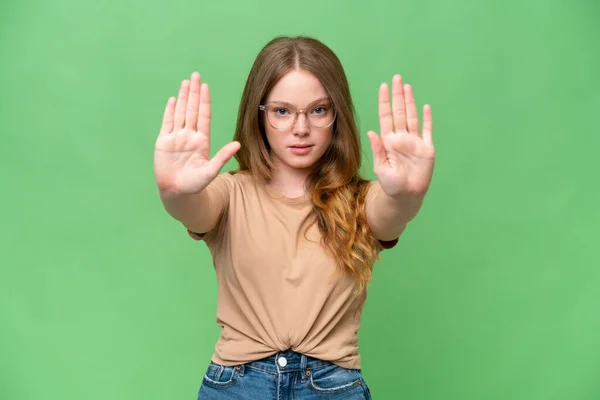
321	116
280	117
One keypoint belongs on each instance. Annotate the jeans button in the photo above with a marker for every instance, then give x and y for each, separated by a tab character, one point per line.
282	361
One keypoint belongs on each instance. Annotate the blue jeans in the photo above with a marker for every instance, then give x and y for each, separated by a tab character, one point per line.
283	376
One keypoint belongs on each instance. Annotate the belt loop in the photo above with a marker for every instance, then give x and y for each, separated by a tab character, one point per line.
303	367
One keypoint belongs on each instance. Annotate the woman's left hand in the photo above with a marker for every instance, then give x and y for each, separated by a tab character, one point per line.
403	159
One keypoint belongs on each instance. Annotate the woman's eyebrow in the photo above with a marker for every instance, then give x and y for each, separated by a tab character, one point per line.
309	104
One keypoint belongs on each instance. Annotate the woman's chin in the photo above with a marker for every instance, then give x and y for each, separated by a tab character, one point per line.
298	162
302	164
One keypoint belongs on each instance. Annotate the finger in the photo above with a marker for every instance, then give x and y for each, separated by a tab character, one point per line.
398	106
427	124
167	122
220	159
379	155
412	118
386	123
191	114
205	111
181	105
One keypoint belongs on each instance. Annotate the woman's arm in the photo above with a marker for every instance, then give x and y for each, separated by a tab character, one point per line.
187	178
403	162
387	216
198	212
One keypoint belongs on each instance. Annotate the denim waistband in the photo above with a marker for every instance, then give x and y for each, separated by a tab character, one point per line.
287	361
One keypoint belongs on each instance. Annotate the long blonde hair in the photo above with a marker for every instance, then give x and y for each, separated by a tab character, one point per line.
338	191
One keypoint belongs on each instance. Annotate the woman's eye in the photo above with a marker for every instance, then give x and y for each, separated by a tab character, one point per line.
281	111
320	110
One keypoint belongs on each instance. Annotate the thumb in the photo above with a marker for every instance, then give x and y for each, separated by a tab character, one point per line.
220	159
379	155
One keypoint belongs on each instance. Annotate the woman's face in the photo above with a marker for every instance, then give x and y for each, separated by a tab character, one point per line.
301	145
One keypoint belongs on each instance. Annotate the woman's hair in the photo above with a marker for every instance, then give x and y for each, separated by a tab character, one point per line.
338	191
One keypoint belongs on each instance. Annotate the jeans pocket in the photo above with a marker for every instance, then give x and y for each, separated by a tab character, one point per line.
334	379
220	376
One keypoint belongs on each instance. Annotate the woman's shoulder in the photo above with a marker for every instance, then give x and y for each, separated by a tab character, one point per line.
231	182
236	178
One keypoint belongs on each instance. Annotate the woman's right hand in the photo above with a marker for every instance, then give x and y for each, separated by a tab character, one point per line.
182	163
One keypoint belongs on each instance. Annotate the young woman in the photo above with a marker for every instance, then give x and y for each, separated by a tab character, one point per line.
295	231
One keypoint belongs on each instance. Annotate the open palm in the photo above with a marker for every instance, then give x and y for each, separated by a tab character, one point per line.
182	162
403	159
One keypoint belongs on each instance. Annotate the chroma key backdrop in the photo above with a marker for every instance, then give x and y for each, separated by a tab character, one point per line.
493	292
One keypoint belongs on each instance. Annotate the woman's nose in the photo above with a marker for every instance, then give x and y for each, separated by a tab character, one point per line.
301	126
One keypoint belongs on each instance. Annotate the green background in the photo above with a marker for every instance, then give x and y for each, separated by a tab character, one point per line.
493	291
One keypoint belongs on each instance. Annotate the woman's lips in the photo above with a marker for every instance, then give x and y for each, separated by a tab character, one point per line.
301	149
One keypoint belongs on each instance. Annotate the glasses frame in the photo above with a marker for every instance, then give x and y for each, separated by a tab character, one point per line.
263	107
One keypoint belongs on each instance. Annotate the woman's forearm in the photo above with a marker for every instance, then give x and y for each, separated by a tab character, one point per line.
388	216
197	212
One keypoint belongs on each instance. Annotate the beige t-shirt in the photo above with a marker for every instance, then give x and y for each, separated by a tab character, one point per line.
277	290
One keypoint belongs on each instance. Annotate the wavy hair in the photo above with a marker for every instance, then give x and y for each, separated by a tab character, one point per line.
338	191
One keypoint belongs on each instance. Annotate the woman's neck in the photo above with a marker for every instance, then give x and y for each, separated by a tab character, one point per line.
290	182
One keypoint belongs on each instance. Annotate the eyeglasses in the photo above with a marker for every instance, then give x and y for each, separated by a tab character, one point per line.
283	116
